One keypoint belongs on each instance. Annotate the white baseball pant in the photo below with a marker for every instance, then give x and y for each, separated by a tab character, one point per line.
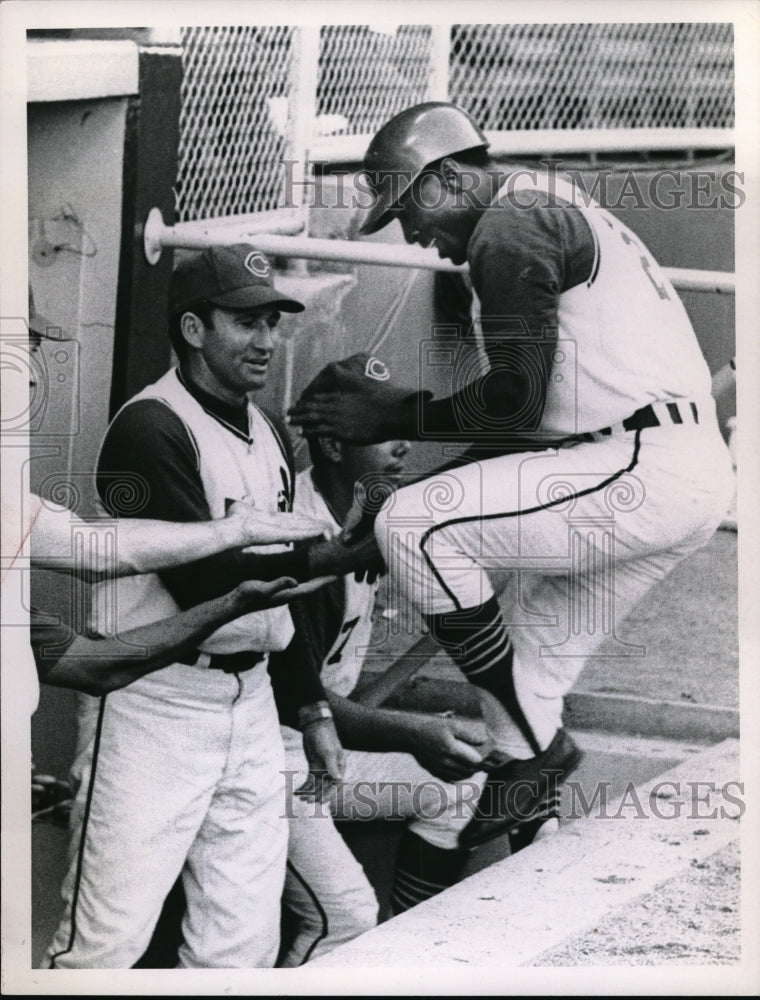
574	537
185	775
327	894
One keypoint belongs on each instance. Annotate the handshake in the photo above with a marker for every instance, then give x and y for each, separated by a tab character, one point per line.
354	549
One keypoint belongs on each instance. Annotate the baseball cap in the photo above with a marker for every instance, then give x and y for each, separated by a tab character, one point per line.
232	277
349	373
364	373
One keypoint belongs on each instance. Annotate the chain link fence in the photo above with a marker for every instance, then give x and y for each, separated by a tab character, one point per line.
238	113
367	75
233	121
604	76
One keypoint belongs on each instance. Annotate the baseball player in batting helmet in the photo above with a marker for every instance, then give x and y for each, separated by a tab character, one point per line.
587	352
405	146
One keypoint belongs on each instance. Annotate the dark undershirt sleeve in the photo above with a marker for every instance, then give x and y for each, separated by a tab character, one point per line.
295	671
148	454
517	269
520	262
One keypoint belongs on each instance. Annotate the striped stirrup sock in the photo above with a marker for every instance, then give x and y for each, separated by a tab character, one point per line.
476	639
423	870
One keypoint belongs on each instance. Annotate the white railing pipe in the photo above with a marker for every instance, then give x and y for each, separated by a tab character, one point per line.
199	235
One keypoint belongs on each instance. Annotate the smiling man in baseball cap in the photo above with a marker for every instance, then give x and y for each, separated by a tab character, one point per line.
195	443
224	305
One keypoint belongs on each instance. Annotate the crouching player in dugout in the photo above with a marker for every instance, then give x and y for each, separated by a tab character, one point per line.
399	764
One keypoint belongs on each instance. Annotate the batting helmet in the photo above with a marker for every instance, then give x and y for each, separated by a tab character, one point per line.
408	143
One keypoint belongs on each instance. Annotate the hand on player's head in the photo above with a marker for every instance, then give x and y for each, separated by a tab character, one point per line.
354	400
339	399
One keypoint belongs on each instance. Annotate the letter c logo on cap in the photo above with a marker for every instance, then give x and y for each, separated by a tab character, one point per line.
257	264
376	370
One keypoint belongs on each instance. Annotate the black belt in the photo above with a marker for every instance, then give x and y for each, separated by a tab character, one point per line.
229	663
672	412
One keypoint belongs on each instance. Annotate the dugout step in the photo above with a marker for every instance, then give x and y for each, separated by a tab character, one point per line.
507	914
613	759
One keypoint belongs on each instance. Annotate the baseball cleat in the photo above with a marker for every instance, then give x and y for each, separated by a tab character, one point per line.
518	793
544	825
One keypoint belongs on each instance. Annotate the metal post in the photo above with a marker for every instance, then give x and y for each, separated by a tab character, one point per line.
301	128
302	114
440	46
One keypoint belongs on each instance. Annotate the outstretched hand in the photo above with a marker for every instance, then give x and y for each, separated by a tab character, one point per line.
258	595
259	528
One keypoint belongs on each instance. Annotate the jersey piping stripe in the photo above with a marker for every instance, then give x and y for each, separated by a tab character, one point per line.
317	906
168	405
597	256
518	513
515	710
246	437
83	837
190	435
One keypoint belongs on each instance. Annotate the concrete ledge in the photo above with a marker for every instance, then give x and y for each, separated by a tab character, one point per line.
650	717
615	713
80	69
521	908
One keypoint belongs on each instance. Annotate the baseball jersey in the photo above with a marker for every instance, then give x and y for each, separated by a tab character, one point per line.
617	330
232	465
339	615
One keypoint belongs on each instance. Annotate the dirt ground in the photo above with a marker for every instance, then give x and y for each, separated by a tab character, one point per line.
689	625
693	920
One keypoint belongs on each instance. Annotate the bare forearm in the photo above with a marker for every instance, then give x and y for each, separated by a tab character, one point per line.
446	747
61	540
372	729
145	546
148	546
97	666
